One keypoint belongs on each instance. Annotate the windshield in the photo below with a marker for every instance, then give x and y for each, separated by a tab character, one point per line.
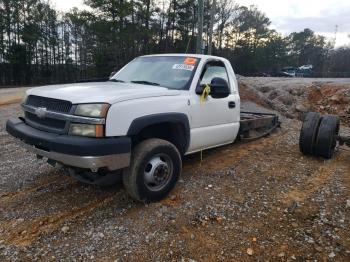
174	72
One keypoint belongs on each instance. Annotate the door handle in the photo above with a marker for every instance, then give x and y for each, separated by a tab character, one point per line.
231	104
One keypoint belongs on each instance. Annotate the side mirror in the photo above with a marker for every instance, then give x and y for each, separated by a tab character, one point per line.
219	88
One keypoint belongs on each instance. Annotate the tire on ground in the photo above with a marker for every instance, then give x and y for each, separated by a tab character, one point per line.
309	132
326	140
134	176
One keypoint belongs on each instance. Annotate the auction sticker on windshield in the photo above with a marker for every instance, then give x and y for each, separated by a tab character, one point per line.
183	67
190	61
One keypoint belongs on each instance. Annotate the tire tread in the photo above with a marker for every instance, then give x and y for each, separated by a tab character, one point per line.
309	133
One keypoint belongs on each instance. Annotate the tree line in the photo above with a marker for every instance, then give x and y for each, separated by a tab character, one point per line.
39	45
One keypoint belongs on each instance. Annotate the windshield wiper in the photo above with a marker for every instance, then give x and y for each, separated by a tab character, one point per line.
145	82
116	80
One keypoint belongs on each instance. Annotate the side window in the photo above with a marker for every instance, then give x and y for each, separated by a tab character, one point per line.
213	70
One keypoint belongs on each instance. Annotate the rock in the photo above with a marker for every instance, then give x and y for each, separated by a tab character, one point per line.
219	219
250	251
296	91
310	240
318	248
292	207
282	254
286	99
254	239
188	260
65	229
295	225
331	255
335	98
210	186
290	116
230	172
347	203
301	108
293	257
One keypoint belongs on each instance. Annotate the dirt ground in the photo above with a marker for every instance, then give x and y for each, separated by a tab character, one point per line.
11	95
256	201
294	96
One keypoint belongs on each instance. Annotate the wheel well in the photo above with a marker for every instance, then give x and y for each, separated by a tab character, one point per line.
175	133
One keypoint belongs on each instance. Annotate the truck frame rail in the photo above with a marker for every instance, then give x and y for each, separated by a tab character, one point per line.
261	124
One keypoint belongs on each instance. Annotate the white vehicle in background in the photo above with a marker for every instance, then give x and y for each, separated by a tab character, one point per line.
140	123
306	67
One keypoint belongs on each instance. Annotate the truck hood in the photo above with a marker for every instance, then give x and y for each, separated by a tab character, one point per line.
100	92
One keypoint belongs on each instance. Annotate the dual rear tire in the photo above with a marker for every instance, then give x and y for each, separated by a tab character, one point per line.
318	135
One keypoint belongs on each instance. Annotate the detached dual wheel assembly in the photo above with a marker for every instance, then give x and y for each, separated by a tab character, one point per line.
319	135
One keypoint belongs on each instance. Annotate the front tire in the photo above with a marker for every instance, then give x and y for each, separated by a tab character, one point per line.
154	170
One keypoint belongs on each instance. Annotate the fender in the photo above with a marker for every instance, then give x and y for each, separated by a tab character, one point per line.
142	122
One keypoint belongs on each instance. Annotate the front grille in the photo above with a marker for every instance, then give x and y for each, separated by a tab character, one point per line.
50	104
45	122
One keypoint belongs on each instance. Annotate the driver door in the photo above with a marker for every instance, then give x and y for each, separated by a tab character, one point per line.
215	121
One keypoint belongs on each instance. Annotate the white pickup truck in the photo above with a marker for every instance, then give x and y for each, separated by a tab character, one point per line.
139	123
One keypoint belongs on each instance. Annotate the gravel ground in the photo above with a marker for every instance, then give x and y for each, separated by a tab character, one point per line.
253	201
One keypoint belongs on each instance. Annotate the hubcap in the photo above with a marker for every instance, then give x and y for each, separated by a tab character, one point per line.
158	172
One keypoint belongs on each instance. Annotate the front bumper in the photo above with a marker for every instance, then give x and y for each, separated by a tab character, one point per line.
75	151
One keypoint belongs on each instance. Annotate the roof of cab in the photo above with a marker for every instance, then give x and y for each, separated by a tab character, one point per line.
188	55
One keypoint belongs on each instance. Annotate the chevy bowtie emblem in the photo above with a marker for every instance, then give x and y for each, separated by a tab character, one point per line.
40	112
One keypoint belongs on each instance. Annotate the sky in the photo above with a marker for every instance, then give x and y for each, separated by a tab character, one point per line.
321	16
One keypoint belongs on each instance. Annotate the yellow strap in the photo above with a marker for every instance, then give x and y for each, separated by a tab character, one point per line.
205	93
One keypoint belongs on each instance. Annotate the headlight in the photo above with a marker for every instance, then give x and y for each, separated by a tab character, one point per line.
86	130
92	110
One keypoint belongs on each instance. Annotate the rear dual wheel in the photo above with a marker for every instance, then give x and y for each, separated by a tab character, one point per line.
318	135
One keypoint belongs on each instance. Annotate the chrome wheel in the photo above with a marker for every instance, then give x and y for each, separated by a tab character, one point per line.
158	172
